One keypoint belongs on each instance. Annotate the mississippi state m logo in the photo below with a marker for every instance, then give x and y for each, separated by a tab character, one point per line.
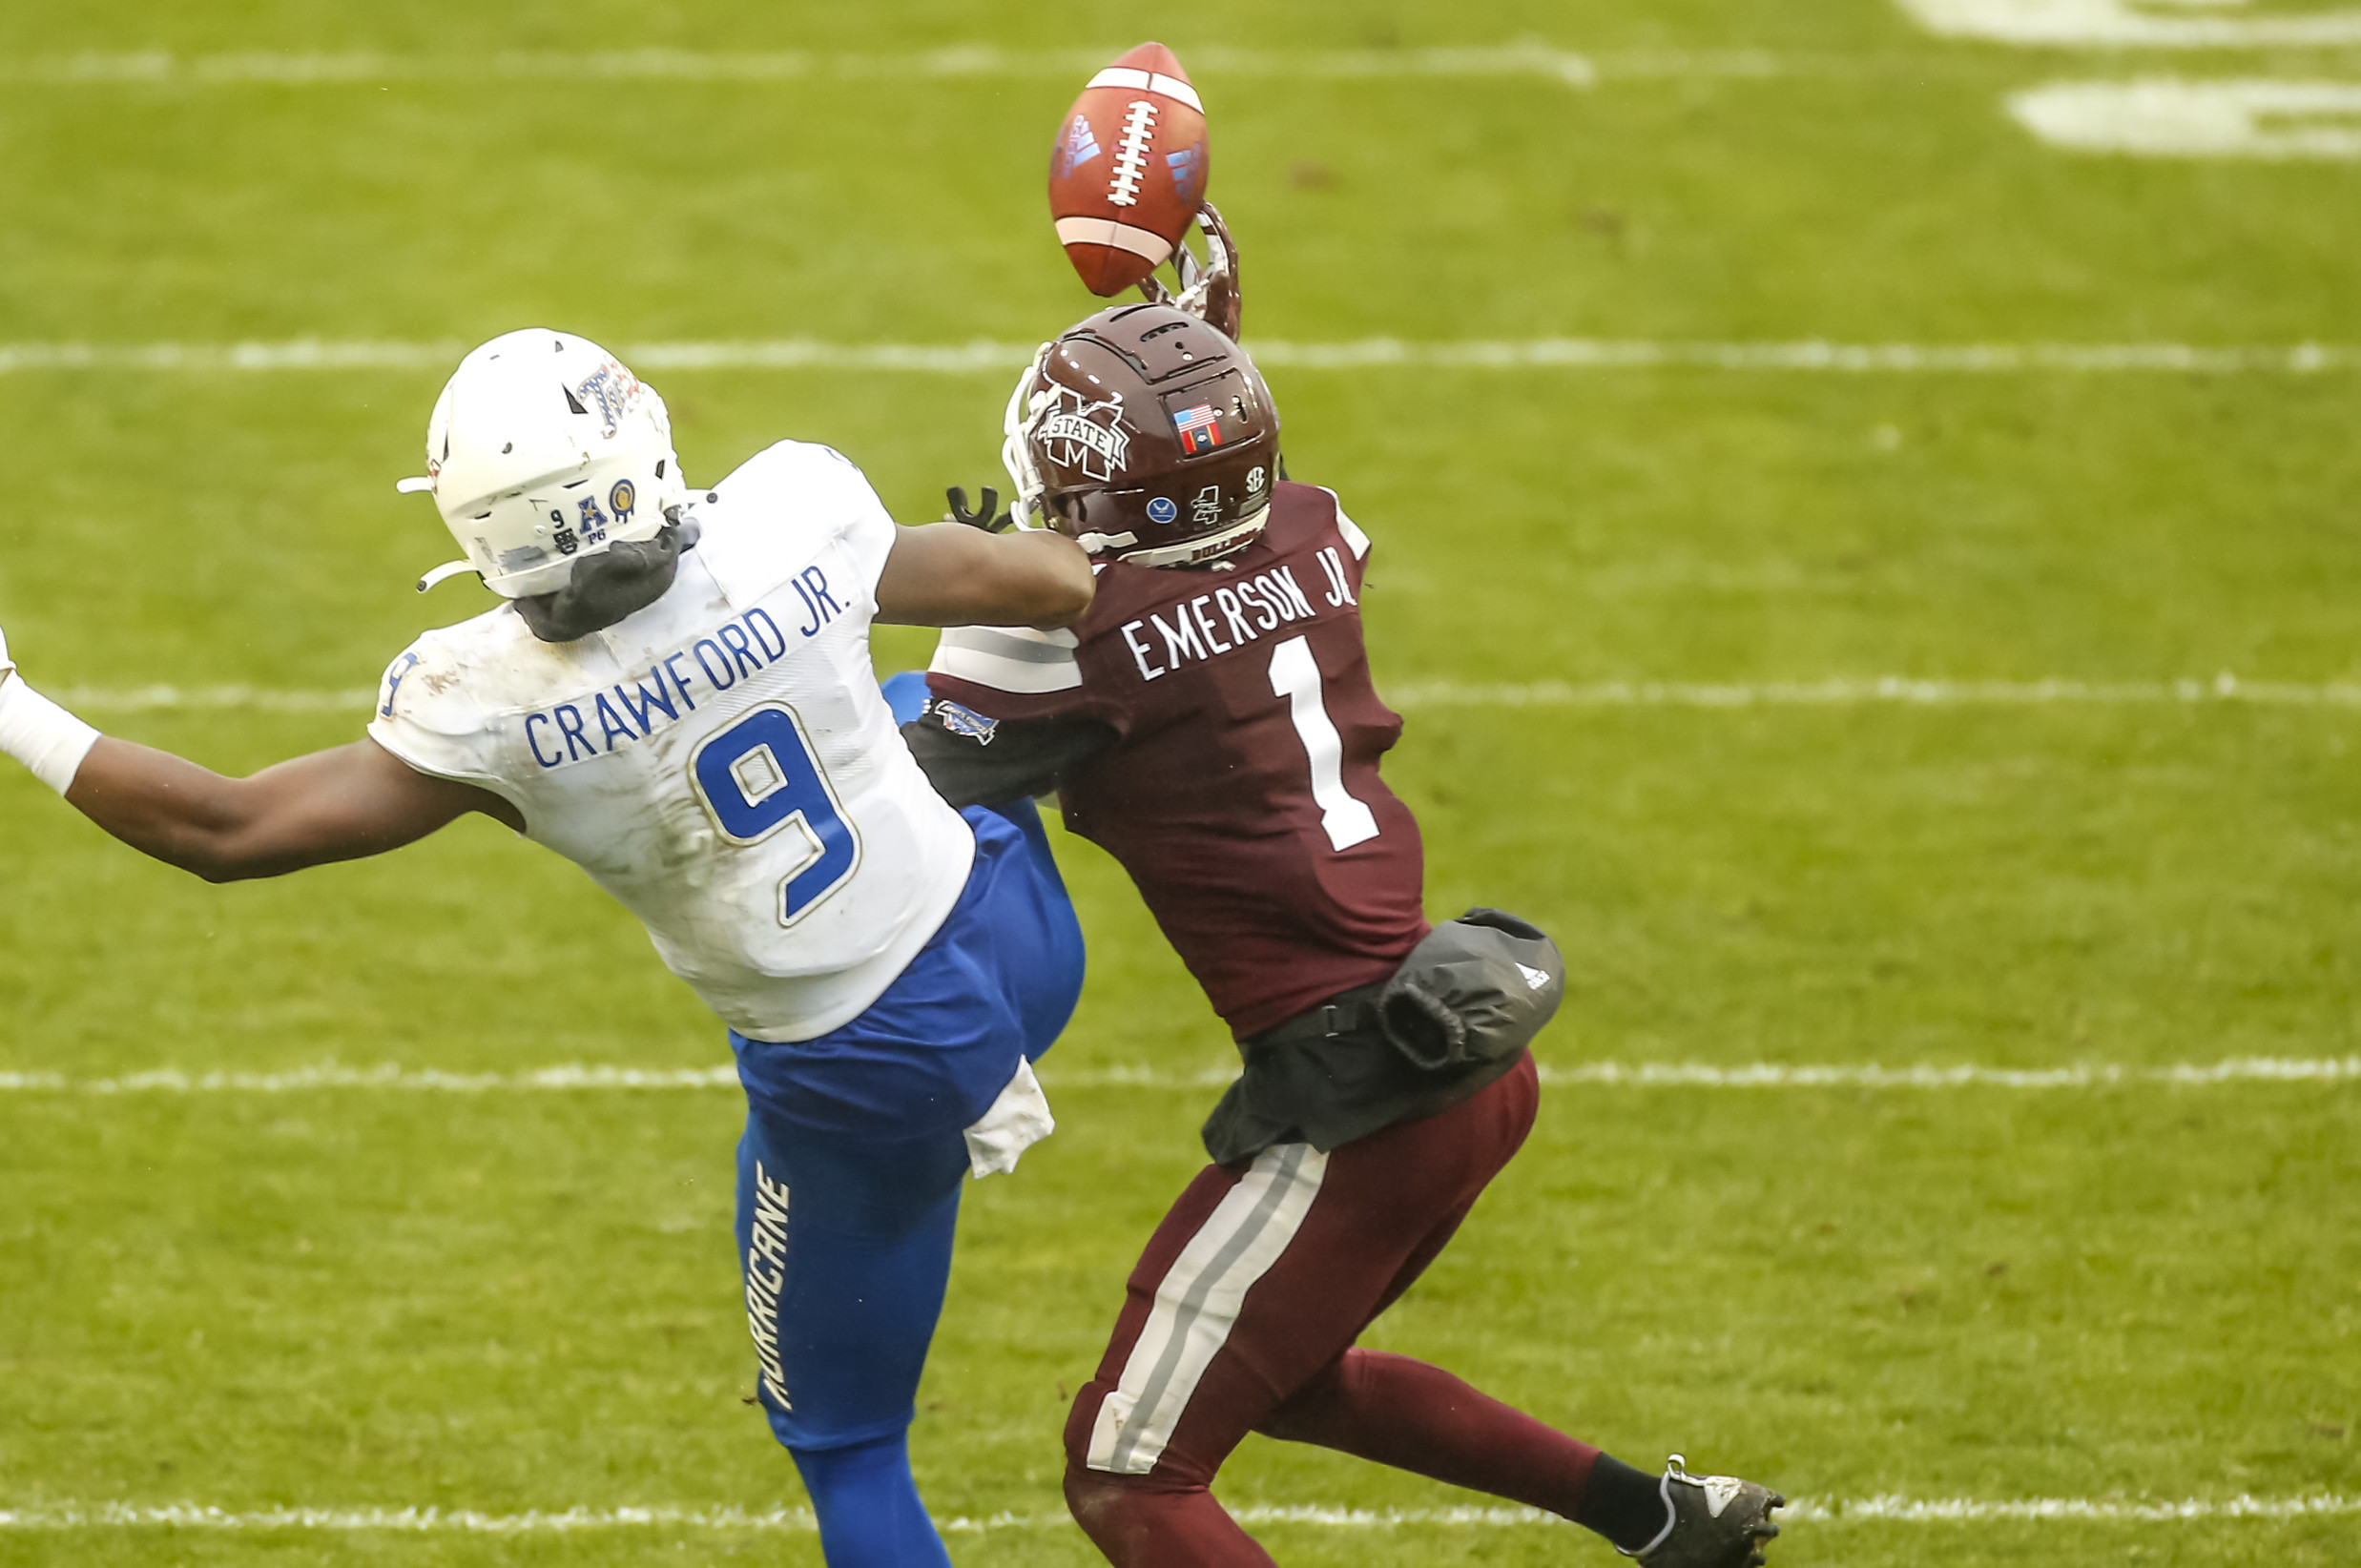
1088	436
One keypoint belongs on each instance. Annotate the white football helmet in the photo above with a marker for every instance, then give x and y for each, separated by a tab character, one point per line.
544	449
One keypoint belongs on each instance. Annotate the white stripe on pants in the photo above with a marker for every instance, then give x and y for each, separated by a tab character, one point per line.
1199	1301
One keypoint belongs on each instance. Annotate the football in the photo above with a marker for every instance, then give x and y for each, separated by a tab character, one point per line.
1127	171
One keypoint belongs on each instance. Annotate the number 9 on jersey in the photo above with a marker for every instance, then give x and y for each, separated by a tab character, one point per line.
755	779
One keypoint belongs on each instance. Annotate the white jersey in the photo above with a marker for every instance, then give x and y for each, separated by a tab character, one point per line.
721	761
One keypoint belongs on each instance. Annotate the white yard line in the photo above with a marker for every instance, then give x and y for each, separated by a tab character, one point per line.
1886	1509
1531	60
2269	118
2223	690
1776	1074
1881	690
1811	356
2126	24
1787	1075
151	699
1537	61
578	1078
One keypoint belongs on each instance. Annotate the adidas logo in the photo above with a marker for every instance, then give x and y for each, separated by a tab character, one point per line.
1719	1491
1534	981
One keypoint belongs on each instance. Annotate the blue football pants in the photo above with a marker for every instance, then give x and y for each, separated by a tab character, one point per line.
844	1232
847	1249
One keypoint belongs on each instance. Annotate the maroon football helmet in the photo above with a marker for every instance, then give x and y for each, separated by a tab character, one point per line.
1146	435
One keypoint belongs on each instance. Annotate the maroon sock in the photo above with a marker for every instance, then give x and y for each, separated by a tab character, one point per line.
1415	1417
1135	1523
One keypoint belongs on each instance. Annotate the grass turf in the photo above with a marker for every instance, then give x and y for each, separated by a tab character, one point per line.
517	1301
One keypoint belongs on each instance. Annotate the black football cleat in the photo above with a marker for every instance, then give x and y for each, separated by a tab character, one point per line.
1710	1522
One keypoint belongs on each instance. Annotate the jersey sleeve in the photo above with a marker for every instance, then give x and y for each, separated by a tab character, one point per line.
1350	532
807	486
976	761
1010	672
426	717
867	530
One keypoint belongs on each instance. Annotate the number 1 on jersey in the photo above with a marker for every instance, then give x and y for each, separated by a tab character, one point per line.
756	778
1295	675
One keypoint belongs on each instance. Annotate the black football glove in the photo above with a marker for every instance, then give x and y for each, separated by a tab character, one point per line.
983	517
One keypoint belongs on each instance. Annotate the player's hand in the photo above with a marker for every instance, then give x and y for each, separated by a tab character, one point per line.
1223	303
1209	290
8	666
981	516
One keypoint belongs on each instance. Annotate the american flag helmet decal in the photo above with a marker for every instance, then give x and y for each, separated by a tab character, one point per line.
1199	427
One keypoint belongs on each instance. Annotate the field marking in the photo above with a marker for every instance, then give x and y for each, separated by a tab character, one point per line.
578	1078
1886	1507
2223	690
2274	121
152	699
1785	1075
2123	23
1532	59
979	356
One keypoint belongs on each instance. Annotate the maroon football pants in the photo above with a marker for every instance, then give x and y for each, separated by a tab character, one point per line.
1241	1318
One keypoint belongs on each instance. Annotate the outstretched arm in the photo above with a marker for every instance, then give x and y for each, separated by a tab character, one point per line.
950	575
334	805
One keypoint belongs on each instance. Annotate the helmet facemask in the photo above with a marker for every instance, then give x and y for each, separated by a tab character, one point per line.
1027	409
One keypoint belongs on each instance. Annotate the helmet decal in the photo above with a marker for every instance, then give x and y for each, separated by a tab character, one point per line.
1199	427
1253	481
1084	435
1162	510
624	497
612	387
1205	512
593	521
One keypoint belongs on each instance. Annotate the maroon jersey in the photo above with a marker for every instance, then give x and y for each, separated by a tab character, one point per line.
1241	788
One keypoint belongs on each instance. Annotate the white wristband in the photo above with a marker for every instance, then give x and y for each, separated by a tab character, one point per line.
41	735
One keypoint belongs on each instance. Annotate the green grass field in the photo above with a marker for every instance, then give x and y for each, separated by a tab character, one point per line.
351	1298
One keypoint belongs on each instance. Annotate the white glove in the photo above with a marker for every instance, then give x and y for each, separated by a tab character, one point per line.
5	664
